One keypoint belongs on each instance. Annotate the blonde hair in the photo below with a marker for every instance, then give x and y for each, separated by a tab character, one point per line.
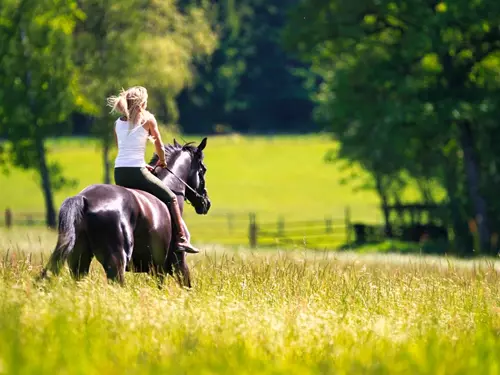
129	103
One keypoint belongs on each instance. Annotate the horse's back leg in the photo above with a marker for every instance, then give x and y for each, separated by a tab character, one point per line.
176	265
80	258
112	245
182	271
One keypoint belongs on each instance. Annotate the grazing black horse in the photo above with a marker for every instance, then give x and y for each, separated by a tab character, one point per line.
128	229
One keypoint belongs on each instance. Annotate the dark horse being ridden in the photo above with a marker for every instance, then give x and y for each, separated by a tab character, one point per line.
127	229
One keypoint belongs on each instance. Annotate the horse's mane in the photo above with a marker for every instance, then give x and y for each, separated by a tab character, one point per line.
172	151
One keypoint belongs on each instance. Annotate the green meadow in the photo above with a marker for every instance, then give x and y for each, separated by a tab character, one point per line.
273	176
268	311
249	312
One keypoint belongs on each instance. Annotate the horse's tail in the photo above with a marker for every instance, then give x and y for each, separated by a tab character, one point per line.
71	216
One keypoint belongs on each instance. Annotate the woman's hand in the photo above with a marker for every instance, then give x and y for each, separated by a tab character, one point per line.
161	163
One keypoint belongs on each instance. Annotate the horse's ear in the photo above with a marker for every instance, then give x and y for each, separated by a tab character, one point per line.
176	144
202	145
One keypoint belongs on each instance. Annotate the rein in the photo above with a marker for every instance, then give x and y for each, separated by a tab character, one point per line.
153	169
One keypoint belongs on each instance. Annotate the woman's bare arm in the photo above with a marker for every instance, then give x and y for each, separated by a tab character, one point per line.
152	127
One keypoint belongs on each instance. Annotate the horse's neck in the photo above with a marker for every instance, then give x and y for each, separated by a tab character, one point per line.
181	169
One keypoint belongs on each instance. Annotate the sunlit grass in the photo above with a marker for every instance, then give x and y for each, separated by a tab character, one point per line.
284	175
274	177
291	312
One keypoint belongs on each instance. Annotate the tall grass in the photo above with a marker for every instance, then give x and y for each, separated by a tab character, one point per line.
252	312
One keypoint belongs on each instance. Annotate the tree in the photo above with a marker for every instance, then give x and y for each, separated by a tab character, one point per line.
249	82
105	55
37	84
137	42
418	73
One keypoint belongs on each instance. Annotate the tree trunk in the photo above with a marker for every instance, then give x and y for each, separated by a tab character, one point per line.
50	212
384	205
105	160
473	184
43	169
462	239
163	109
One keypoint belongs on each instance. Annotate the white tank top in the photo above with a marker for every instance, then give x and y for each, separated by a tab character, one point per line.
131	145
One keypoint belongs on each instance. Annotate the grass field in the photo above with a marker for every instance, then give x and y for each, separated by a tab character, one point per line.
252	312
282	176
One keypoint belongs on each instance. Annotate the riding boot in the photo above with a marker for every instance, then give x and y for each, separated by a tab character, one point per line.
180	236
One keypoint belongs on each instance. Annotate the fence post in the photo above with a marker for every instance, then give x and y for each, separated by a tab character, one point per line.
8	218
252	231
328	225
230	217
281	226
347	219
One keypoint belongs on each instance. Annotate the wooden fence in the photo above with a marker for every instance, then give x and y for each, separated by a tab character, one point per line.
246	229
327	232
409	222
22	218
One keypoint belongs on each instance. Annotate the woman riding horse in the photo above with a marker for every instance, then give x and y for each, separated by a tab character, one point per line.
132	131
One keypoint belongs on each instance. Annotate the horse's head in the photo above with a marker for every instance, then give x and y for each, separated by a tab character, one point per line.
186	163
196	180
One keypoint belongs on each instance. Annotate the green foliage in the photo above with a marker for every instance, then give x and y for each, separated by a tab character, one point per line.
37	83
408	88
249	83
37	71
117	48
151	43
37	77
259	312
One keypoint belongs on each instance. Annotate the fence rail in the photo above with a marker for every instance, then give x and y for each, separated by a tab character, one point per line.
241	229
22	218
414	223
